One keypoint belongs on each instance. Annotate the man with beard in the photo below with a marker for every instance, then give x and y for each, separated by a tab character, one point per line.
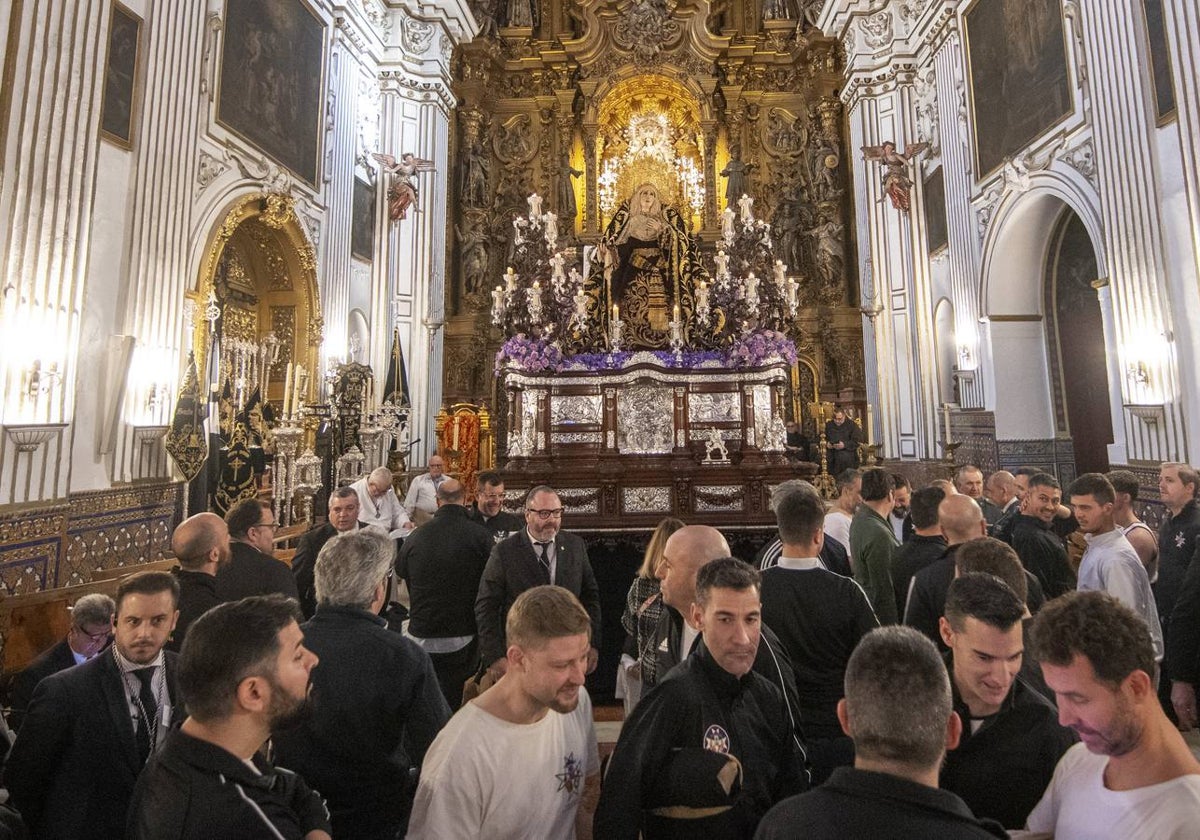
201	544
377	705
1133	776
1034	539
842	437
91	728
243	674
710	721
488	509
521	759
900	510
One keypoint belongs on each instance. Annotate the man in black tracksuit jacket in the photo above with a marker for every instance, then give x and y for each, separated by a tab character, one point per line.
711	718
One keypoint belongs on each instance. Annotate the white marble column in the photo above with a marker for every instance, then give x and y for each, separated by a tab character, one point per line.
49	170
159	239
1129	196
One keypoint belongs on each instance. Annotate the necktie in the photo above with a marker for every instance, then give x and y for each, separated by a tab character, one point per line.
147	711
543	556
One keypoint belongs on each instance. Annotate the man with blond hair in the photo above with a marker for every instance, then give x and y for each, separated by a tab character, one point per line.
520	760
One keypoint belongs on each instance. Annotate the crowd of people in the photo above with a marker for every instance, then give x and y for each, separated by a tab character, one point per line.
962	659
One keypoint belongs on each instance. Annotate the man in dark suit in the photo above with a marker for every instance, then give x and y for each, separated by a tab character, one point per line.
343	518
91	629
252	567
538	554
201	543
91	728
442	561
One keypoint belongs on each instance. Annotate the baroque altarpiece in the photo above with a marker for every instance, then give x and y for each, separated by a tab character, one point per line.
672	177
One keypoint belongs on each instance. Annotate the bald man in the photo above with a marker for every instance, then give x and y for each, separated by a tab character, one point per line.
686	551
961	520
201	545
379	505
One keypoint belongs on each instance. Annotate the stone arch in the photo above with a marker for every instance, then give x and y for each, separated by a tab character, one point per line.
266	226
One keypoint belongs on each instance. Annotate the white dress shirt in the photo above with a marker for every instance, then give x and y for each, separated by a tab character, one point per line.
422	494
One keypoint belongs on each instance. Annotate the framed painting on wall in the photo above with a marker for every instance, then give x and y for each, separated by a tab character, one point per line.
271	80
1020	82
936	229
119	99
1160	61
362	229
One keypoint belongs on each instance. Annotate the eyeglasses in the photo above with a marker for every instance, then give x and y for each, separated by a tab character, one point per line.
271	525
546	515
95	637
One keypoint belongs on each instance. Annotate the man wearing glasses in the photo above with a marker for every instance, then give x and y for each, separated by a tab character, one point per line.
536	555
253	569
91	630
488	508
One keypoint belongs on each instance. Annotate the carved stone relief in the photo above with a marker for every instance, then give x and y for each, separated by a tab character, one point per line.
645	29
877	29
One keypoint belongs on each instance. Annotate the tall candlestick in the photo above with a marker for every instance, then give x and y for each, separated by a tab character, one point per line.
869	424
287	391
946	408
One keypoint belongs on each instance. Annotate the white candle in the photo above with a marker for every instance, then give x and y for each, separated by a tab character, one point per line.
869	424
616	312
676	318
946	408
457	420
287	391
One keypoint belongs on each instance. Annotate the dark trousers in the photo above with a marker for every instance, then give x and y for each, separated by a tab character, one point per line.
454	669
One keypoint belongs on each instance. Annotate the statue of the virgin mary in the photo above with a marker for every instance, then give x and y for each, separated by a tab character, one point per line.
647	266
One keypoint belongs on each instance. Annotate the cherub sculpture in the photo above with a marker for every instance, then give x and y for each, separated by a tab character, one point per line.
896	182
402	187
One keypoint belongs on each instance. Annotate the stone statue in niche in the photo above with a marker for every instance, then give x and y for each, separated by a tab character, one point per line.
830	252
824	161
567	208
473	242
896	166
718	15
402	185
485	13
738	174
475	174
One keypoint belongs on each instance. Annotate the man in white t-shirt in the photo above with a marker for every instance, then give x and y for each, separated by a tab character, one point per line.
1133	776
837	521
520	762
1110	562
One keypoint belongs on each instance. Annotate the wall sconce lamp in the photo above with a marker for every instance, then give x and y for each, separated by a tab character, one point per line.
1138	374
38	381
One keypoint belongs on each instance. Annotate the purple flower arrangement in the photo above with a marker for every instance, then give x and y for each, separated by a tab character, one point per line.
752	350
757	348
529	354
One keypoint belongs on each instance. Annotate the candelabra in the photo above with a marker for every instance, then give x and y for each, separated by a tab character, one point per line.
308	480
615	327
676	327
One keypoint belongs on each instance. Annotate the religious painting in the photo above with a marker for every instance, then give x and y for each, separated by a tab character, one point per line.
937	232
1160	60
120	76
362	228
270	90
1020	83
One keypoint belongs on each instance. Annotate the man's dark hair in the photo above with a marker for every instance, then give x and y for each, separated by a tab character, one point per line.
991	556
227	644
1094	485
245	515
982	597
898	698
1124	481
725	573
148	583
799	516
924	506
847	477
488	479
1095	625
900	481
1028	472
876	485
343	493
1044	479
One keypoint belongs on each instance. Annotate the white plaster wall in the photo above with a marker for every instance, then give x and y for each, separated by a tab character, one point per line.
1022	380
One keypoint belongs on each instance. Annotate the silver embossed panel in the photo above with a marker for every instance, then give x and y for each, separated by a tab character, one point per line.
645	420
708	408
646	500
586	500
570	410
719	497
575	437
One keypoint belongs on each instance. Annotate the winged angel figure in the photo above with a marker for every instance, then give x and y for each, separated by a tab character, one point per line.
402	186
896	166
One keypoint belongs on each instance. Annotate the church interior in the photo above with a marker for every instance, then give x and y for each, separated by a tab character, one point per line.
637	250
